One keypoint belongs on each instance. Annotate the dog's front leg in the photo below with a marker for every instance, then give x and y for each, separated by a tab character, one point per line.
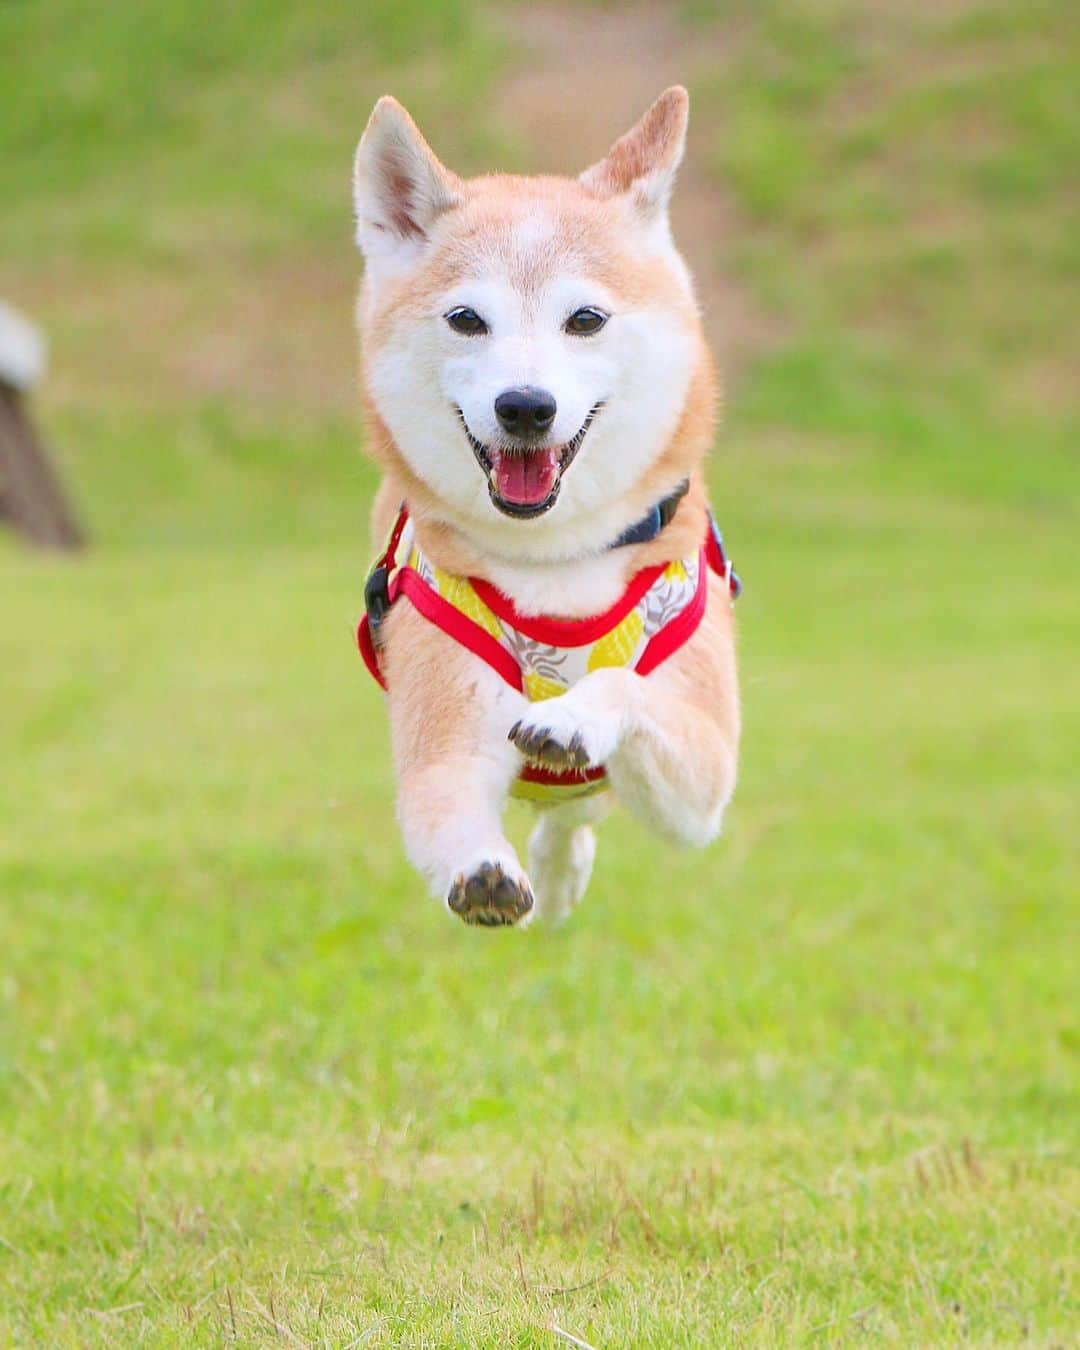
669	740
448	719
450	814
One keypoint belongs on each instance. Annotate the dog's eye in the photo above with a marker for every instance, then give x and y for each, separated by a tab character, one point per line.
585	321
467	321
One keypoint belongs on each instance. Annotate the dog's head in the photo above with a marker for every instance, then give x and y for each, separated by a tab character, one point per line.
529	342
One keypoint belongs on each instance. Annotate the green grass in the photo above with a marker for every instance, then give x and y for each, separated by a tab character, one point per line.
816	1085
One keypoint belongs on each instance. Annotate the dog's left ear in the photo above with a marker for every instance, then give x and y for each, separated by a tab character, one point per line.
642	163
399	186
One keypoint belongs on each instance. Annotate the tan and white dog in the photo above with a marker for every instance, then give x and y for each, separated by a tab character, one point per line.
538	391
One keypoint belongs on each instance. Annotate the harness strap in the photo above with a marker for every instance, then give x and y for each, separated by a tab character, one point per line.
656	519
719	561
379	595
377	587
386	581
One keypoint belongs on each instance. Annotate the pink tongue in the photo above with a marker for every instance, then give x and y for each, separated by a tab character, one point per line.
526	479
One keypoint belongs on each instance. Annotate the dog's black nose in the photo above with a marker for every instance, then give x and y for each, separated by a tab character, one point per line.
525	411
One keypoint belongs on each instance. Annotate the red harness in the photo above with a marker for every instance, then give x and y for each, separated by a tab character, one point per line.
387	581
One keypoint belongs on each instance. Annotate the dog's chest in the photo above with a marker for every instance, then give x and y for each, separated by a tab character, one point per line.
553	654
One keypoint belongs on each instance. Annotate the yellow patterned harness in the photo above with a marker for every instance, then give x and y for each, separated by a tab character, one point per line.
543	656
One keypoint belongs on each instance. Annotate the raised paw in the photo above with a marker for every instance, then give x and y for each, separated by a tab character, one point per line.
545	745
490	897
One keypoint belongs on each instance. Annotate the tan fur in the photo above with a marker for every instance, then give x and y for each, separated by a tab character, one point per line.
646	148
453	766
693	715
673	757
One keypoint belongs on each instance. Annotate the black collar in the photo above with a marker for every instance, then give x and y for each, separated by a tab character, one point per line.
650	525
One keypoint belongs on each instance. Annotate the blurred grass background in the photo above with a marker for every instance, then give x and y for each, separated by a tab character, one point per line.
817	1083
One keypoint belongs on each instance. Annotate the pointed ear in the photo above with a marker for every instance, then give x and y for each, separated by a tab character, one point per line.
642	163
399	186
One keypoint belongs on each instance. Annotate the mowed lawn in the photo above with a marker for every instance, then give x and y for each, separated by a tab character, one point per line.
815	1085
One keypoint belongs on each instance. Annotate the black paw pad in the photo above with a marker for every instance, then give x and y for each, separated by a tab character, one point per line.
489	897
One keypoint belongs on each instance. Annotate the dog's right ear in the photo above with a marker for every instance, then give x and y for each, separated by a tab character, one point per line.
399	186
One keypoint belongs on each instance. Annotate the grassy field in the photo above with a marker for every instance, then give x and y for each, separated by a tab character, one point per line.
816	1085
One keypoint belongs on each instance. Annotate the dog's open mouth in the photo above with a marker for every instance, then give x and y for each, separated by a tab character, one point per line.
524	480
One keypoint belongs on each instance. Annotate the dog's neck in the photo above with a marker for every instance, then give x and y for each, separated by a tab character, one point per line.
589	585
574	586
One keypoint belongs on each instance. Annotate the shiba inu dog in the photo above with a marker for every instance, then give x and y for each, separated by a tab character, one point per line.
552	612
